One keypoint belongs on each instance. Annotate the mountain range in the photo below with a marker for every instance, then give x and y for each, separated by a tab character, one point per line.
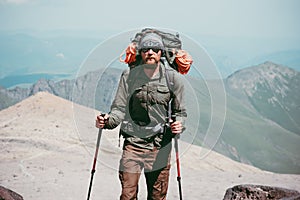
261	127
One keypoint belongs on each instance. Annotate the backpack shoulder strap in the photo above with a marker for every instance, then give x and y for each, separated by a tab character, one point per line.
169	75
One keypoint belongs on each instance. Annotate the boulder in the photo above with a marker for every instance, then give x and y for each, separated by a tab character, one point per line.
7	194
259	192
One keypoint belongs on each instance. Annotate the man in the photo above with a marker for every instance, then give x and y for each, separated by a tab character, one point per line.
141	106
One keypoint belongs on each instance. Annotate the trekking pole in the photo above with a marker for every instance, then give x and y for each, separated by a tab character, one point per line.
177	160
94	163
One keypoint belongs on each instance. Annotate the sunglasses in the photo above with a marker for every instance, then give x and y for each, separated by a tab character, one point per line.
144	50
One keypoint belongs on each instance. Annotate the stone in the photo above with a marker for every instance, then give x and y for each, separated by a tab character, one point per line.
260	192
7	194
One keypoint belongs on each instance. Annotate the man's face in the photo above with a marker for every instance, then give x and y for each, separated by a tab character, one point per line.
151	56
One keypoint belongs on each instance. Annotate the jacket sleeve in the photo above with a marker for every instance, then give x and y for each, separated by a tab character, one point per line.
118	107
178	104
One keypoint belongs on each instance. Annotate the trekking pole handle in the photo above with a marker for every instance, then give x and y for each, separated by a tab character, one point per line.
173	117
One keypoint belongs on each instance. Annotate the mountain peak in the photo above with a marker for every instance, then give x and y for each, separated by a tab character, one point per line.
274	75
272	89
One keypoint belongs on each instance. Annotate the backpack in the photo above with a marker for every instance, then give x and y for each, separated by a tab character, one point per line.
177	58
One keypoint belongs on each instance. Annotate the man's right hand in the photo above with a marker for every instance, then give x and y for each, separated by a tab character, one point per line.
101	120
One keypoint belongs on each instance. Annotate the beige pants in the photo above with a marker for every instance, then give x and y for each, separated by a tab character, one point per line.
156	165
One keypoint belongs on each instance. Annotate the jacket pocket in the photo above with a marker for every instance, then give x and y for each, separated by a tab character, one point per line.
162	95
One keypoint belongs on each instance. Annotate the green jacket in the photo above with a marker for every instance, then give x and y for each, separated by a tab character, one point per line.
141	105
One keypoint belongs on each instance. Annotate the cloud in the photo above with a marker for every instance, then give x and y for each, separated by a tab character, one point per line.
60	55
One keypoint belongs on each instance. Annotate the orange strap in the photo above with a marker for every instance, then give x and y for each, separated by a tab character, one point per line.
183	61
130	54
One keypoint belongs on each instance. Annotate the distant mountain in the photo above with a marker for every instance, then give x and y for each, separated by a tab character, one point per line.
87	90
247	135
261	112
273	90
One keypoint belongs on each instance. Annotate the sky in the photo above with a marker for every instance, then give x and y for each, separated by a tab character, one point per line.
233	18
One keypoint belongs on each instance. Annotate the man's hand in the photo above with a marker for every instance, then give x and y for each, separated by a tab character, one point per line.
176	127
101	120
